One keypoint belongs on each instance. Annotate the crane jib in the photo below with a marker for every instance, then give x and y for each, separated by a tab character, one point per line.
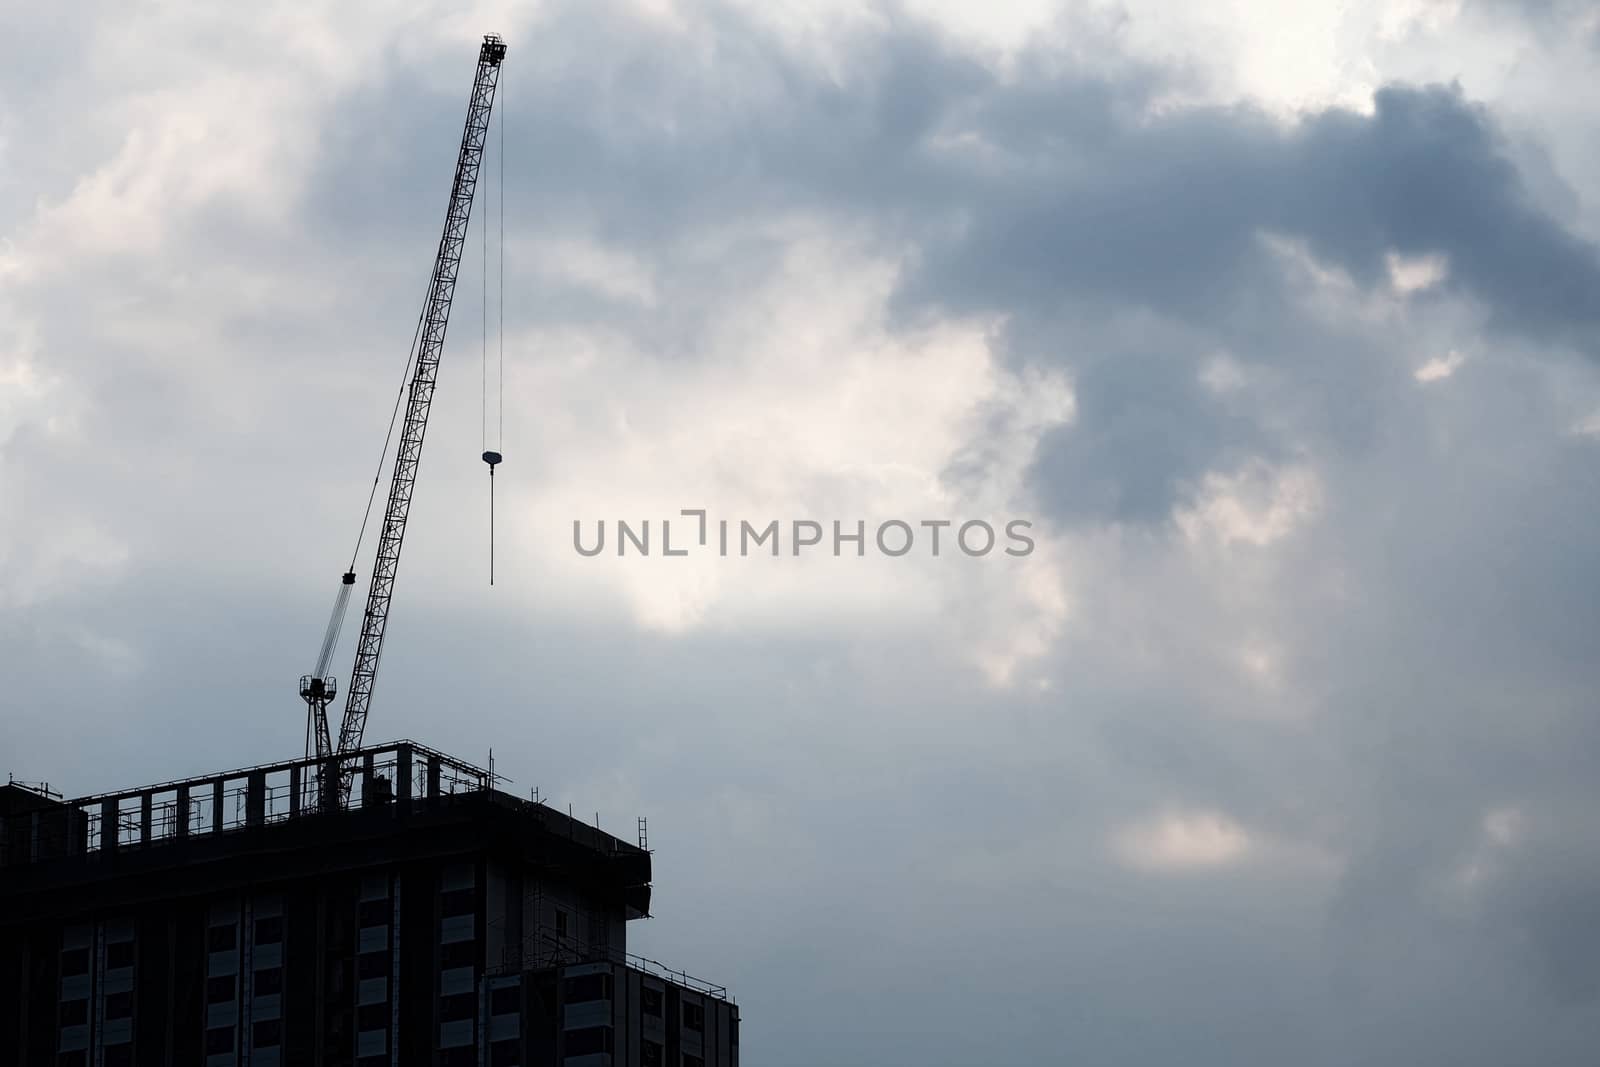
430	342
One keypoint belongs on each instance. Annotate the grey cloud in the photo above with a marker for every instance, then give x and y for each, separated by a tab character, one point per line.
850	828
1167	216
1065	204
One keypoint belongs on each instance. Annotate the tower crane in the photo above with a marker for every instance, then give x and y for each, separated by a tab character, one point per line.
318	689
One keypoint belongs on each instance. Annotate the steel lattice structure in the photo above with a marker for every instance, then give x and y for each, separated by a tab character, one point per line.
430	343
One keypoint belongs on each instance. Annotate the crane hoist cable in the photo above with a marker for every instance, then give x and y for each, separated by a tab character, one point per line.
494	457
394	415
318	689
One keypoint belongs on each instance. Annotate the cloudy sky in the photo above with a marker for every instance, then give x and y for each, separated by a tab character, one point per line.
1280	322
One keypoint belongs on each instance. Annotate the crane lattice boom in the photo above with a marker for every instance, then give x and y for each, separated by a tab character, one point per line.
430	343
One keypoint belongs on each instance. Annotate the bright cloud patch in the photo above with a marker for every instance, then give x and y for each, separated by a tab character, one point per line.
1440	367
1255	505
1182	841
1411	274
803	405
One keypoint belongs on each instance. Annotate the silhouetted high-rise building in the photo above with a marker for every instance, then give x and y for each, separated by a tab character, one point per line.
402	912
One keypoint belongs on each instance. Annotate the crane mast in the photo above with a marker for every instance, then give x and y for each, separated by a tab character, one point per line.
434	320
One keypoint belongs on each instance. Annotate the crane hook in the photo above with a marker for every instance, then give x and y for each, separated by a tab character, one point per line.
492	459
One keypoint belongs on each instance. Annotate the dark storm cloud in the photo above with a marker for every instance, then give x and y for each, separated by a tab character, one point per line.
1166	214
1145	428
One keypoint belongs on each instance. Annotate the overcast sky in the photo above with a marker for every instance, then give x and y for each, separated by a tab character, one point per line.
1280	322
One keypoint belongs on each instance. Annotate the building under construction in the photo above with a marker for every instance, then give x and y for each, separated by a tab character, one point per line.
233	919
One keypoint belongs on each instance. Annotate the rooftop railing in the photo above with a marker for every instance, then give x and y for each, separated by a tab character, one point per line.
546	949
268	793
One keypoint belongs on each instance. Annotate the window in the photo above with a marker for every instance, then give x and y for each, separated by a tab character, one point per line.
269	931
458	954
505	1054
650	1001
269	983
119	954
219	1041
219	989
651	1055
74	1012
119	1005
73	1059
457	902
372	965
561	922
222	938
505	1000
456	1006
372	1017
373	913
694	1016
693	1061
268	1032
588	1041
118	1055
75	961
588	987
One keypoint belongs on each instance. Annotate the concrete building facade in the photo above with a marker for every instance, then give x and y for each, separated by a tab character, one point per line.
428	918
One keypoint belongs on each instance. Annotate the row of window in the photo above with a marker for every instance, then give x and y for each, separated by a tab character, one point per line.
117	1006
74	961
591	1040
586	987
267	982
597	1039
221	937
264	1034
224	937
581	989
504	1000
77	1011
374	961
113	1056
221	988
